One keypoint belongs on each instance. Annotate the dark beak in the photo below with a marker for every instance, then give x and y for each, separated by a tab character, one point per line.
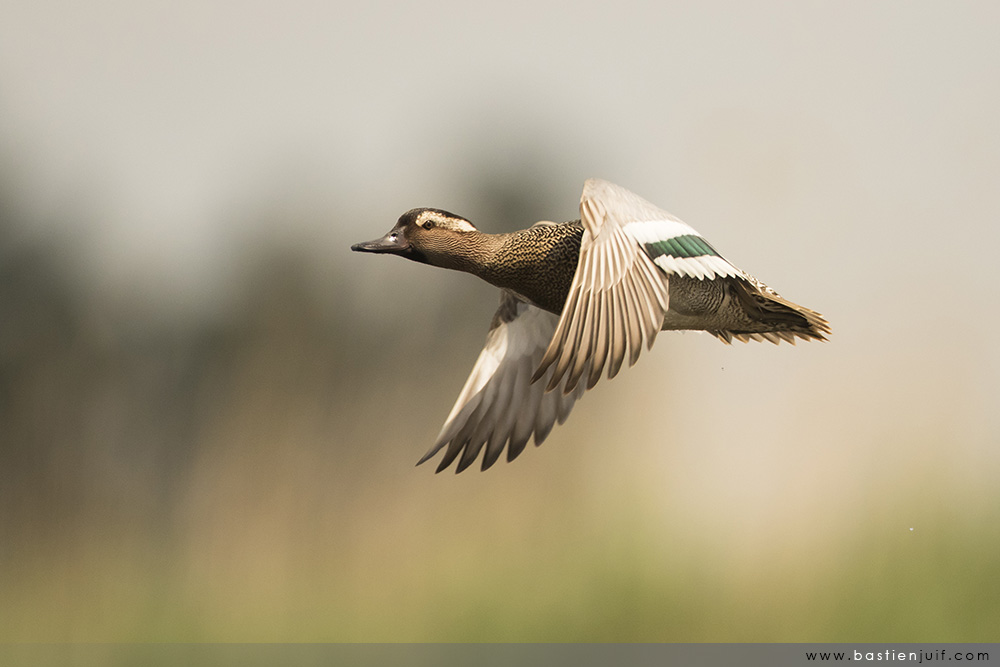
394	242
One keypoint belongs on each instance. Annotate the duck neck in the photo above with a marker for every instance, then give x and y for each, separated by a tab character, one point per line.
473	252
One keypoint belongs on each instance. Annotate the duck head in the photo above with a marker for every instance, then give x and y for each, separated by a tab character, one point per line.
427	235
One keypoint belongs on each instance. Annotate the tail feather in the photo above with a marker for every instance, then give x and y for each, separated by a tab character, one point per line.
770	316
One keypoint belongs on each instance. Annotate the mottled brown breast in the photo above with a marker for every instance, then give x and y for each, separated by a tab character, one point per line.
538	263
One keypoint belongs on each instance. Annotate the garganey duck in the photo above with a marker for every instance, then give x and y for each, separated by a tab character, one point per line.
576	297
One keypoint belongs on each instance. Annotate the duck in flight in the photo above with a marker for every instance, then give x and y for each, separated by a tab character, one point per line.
577	298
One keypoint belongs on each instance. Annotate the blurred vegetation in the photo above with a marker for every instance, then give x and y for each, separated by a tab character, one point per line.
250	479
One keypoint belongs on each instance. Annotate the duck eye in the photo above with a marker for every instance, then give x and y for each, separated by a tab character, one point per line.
427	224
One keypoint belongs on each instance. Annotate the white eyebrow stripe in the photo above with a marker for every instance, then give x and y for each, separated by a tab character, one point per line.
446	221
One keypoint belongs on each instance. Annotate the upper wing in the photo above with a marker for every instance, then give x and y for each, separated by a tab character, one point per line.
499	403
620	294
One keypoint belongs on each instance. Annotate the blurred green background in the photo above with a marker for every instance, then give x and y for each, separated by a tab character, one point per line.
210	409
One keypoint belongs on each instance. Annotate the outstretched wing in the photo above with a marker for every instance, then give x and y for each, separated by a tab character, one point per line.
499	404
620	292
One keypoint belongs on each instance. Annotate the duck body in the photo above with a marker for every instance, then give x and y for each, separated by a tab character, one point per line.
577	297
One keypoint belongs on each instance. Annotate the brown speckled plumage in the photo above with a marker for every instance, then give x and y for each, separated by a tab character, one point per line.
537	263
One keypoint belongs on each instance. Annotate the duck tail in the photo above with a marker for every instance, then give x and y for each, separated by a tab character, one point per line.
770	316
